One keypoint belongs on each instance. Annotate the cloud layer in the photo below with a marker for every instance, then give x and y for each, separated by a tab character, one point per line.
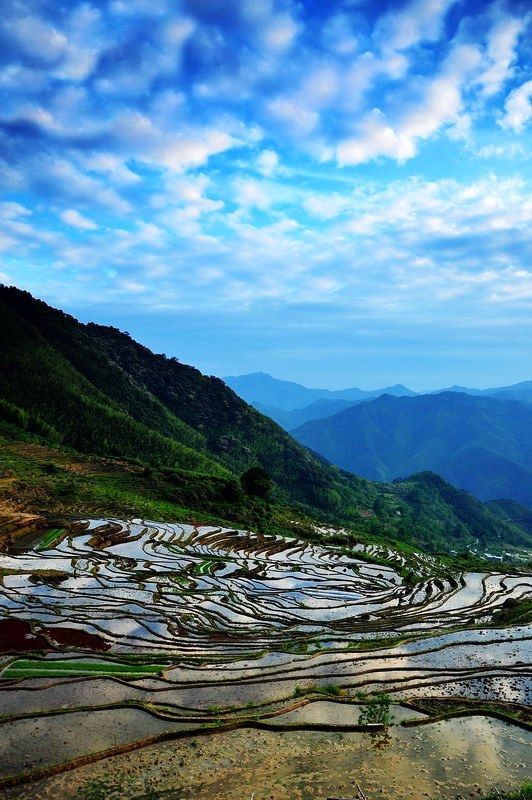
371	158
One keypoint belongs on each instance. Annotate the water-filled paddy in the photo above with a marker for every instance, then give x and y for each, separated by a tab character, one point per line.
229	624
175	587
437	761
29	744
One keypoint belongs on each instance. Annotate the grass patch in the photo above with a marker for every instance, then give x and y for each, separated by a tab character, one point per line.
49	538
513	612
33	668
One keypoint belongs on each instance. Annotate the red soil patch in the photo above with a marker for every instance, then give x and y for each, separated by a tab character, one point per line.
72	637
16	636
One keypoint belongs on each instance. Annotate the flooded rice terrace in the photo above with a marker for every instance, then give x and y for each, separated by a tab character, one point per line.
208	662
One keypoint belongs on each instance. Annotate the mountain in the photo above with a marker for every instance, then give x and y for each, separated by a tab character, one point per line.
261	389
74	394
293	418
104	393
482	444
517	391
461	390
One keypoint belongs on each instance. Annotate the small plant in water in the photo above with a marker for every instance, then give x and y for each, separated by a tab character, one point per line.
376	710
331	689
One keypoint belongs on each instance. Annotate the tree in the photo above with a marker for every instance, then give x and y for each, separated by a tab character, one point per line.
256	482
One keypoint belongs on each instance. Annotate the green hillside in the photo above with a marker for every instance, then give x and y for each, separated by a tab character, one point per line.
106	394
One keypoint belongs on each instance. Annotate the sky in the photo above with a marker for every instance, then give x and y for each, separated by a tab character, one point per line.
337	193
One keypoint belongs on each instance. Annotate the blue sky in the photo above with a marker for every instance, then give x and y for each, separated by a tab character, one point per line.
334	192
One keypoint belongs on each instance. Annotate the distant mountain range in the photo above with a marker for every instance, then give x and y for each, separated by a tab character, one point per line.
482	444
291	404
278	398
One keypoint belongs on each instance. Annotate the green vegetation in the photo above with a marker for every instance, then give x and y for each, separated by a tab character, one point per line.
331	689
256	482
481	444
50	537
513	612
376	710
451	706
40	668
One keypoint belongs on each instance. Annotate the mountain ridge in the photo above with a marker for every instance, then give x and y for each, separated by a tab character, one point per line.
291	404
261	387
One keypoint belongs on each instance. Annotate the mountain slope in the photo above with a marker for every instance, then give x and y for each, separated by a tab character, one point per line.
481	444
517	391
107	394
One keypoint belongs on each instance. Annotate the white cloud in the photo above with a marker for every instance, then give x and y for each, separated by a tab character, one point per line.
438	104
422	20
37	38
280	33
22	80
337	35
375	138
267	162
518	108
182	153
297	120
513	150
11	210
178	150
112	166
77	220
252	194
501	53
326	206
143	8
191	193
320	87
442	106
59	178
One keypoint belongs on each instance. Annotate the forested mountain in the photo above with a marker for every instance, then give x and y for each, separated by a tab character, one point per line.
482	444
94	390
104	393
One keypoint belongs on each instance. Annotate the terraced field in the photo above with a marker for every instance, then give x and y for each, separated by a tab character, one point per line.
163	631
